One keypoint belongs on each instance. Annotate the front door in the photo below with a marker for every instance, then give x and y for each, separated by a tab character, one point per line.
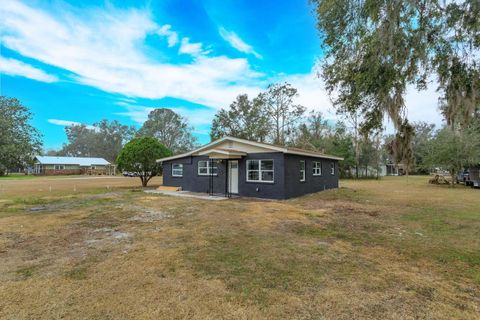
233	176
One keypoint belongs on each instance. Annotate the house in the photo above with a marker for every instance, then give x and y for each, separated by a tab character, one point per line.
252	169
369	171
46	165
396	169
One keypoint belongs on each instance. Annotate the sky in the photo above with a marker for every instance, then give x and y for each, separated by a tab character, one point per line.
82	61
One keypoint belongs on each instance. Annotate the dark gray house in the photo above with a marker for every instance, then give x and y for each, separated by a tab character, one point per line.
252	169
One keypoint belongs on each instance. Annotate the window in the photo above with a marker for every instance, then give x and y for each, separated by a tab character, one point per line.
94	168
177	170
332	166
302	170
317	168
59	167
260	170
204	168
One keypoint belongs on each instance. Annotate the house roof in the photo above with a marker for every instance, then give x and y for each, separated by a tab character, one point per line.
81	161
266	146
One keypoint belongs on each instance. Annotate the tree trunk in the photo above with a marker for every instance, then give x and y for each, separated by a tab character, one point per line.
406	172
144	181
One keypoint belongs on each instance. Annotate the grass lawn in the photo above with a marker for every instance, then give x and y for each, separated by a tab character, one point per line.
22	176
17	176
389	249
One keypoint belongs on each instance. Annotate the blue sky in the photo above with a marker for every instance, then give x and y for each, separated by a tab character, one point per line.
82	61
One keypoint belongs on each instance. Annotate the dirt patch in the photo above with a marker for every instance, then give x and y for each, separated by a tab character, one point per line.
146	215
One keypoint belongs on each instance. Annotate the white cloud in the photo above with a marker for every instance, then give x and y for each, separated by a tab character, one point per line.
188	47
138	114
67	123
197	118
103	49
172	36
14	67
236	42
311	93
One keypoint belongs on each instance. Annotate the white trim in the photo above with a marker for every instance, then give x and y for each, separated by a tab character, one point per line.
304	176
178	156
313	155
225	152
232	186
314	168
260	171
173	169
209	169
252	143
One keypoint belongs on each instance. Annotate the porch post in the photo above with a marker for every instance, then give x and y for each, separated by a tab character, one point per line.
211	177
227	172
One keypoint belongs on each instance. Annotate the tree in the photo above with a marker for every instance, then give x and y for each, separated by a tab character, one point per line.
171	129
454	150
282	111
422	144
104	140
352	117
342	146
54	153
370	153
315	134
244	119
140	155
374	49
19	141
400	147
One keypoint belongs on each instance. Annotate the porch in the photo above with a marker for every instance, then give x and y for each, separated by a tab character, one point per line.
230	158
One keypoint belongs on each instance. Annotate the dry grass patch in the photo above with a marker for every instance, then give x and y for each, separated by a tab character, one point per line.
352	253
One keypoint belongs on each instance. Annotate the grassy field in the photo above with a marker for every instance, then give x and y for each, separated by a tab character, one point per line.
389	249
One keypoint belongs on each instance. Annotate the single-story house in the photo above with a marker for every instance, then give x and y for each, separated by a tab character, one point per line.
46	165
396	169
252	169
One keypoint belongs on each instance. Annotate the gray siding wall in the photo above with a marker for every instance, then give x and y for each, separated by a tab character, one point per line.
275	190
294	187
286	183
191	181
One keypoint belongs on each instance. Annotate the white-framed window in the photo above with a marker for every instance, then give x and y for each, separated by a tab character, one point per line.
94	168
317	168
177	170
302	170
204	168
332	168
260	171
59	167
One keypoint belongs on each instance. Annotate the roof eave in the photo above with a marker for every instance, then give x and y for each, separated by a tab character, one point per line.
322	156
258	144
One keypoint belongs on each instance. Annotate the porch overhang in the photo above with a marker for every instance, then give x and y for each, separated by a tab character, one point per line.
223	154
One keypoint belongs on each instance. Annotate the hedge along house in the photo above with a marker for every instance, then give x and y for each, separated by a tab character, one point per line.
45	165
233	166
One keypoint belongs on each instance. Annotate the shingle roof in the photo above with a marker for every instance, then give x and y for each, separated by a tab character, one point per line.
81	161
